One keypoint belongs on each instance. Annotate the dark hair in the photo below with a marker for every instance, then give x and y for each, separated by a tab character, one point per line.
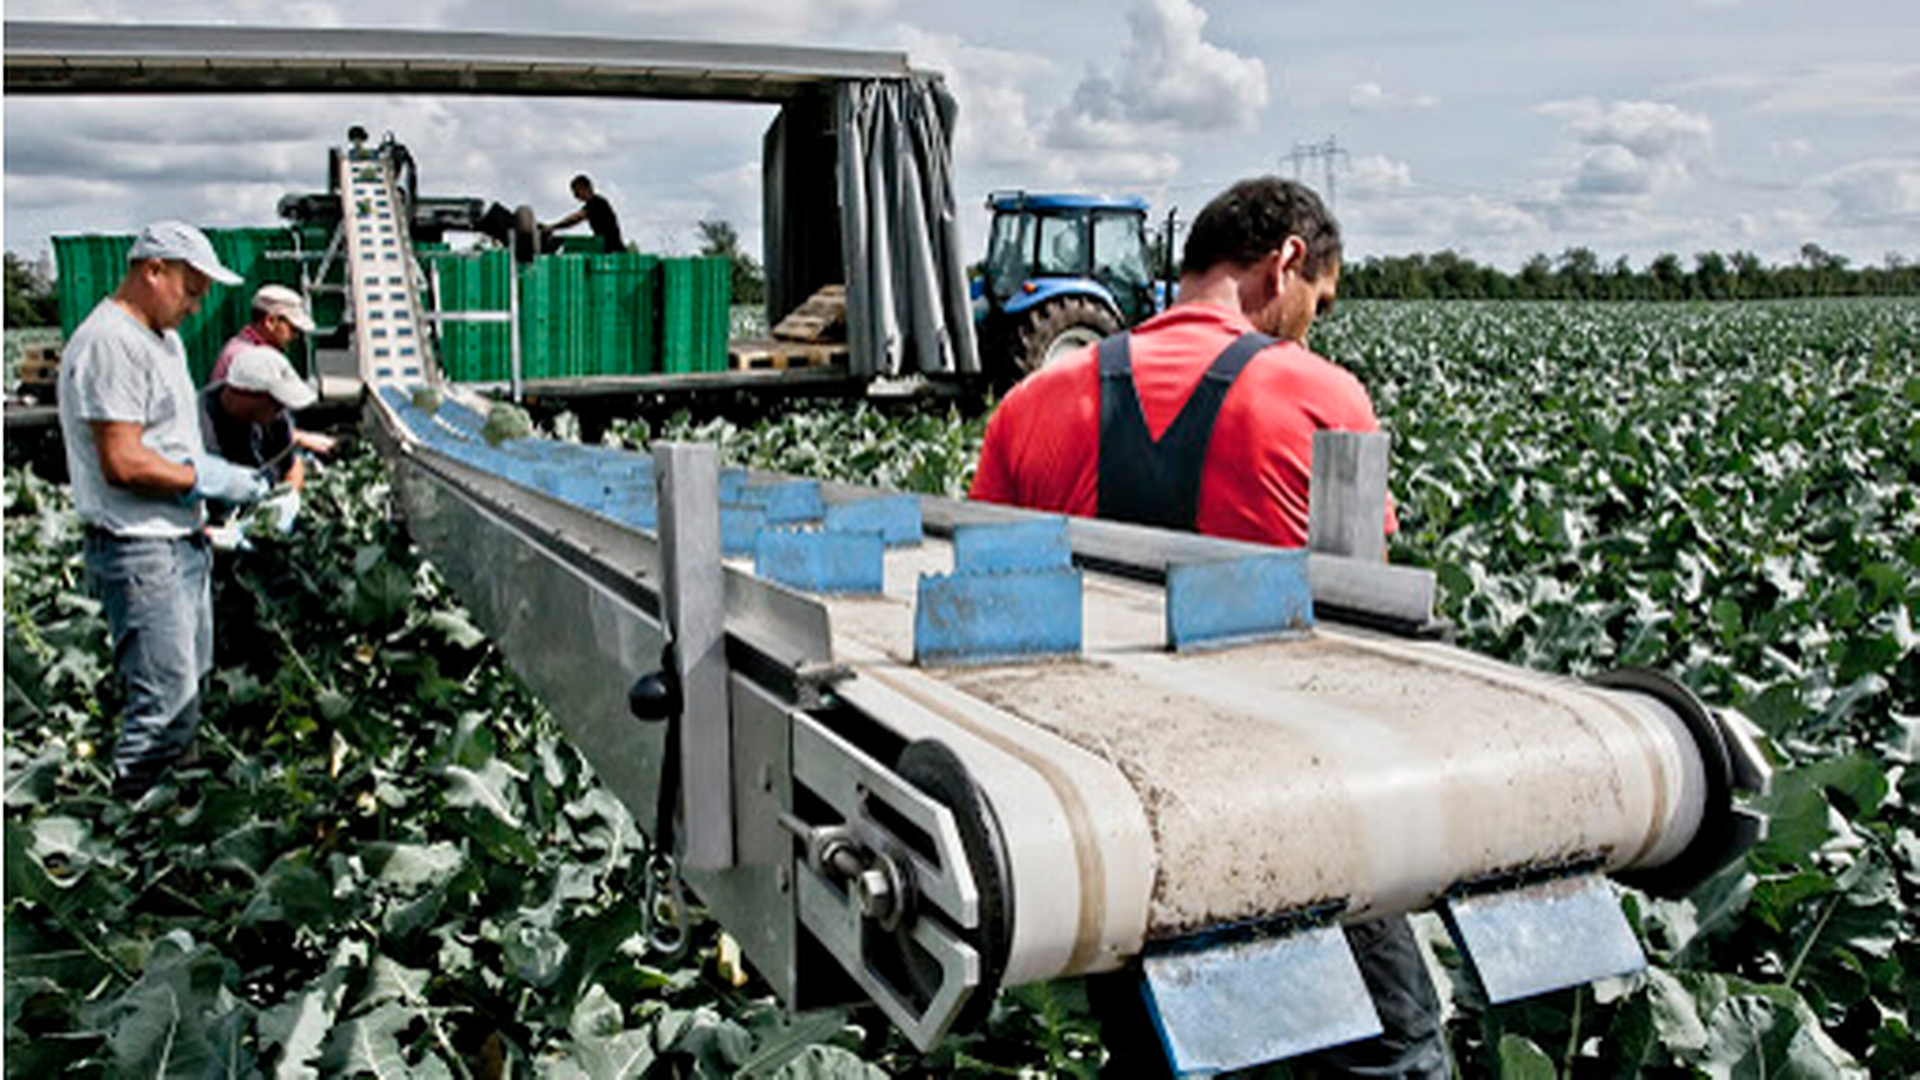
356	133
1253	217
581	180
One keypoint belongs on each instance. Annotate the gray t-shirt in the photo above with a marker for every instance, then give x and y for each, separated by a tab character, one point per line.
115	369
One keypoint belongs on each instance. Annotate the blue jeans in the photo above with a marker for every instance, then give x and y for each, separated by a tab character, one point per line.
160	621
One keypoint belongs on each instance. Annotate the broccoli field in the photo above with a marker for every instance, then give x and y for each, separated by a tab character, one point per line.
387	861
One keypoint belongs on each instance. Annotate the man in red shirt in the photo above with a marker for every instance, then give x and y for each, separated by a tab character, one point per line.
1176	415
1203	419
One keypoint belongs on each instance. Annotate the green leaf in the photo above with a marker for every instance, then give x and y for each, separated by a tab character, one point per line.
535	954
489	789
161	1029
1675	1011
1769	1032
603	1047
457	629
410	868
369	1045
389	982
381	595
827	1063
30	779
1520	1059
782	1045
298	1026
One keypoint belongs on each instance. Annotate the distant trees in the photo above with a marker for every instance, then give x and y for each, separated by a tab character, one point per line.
1578	274
31	300
721	239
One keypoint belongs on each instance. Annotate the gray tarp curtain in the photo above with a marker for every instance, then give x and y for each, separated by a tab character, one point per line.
908	310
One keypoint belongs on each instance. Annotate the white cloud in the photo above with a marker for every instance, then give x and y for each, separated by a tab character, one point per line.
1376	174
1870	191
1864	89
1170	78
1791	149
1372	97
1384	208
1172	73
1631	148
995	125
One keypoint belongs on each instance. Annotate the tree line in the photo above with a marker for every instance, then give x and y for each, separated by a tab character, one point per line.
1578	274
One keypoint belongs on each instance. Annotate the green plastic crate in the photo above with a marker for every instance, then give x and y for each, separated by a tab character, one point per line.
553	324
622	298
474	352
696	298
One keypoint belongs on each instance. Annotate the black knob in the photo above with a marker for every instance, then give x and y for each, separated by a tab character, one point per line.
655	696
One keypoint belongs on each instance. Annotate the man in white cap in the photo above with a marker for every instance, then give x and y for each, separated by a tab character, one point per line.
245	417
280	317
140	474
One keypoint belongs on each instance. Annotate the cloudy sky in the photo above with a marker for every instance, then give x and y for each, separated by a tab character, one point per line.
1497	129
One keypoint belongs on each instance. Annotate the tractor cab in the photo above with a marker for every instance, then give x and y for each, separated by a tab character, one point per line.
1061	271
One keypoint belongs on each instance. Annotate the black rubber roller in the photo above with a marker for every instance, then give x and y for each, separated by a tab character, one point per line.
935	769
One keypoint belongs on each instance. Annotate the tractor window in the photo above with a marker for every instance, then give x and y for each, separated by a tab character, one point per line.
1009	253
1063	246
1120	249
1122	263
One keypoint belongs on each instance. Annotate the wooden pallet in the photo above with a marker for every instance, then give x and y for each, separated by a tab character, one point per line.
822	318
766	354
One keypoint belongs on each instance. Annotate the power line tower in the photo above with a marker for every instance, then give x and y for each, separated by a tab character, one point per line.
1326	153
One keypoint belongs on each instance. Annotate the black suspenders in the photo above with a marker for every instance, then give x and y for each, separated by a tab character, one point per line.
1158	483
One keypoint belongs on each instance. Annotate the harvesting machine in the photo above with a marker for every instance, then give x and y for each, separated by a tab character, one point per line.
911	751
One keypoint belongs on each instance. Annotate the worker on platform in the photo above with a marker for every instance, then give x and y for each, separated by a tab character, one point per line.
140	474
1202	418
596	211
280	317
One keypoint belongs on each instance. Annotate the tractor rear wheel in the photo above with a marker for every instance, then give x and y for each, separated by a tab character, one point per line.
1055	329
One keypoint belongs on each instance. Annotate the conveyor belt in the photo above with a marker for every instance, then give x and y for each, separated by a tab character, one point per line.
381	274
1077	813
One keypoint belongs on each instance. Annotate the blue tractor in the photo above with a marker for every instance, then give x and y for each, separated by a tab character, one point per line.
1061	271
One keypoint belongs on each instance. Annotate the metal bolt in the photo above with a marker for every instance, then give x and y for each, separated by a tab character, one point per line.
766	778
782	878
874	894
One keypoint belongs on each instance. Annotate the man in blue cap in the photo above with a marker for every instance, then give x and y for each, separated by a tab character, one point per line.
140	473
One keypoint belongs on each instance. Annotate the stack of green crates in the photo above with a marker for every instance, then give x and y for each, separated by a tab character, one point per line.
553	293
696	299
473	351
90	267
622	336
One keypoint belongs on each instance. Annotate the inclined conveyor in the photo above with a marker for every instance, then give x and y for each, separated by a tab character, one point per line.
916	750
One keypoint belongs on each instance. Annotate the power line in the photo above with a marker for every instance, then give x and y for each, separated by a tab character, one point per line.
1326	153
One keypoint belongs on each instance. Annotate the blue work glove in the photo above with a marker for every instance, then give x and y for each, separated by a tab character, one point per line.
215	477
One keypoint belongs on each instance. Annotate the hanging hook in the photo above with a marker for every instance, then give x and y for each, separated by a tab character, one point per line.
664	907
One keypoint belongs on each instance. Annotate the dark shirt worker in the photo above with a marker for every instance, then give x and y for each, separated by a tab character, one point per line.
247	418
597	212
